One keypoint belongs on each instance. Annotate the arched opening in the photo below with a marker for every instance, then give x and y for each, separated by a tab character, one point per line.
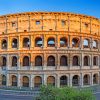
63	42
38	42
37	81
26	61
14	43
63	61
95	79
14	80
86	60
86	43
51	80
95	61
25	81
51	42
4	44
4	61
4	79
26	42
75	80
95	44
86	79
38	61
63	81
51	61
14	61
75	61
75	42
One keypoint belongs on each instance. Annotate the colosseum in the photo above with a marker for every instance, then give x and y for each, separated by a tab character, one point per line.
56	48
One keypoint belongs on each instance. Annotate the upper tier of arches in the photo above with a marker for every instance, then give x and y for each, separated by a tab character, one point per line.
49	42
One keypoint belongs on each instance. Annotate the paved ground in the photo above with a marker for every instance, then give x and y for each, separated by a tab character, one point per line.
13	97
97	96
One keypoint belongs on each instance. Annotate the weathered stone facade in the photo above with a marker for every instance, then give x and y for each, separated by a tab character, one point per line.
55	48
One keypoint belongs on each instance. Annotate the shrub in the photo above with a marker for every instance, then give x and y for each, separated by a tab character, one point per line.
65	93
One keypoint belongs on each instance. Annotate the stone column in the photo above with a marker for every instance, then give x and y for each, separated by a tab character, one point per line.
80	42
70	61
31	61
18	61
55	22
44	61
8	62
70	80
42	22
44	79
33	76
17	25
31	81
29	23
19	81
20	42
30	42
56	42
8	80
68	24
44	41
82	61
58	81
91	79
90	62
58	61
81	79
68	41
8	43
91	43
91	59
6	28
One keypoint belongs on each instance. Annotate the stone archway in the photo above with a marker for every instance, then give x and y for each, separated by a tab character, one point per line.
63	81
63	61
25	81
51	42
37	81
51	61
14	80
51	80
4	80
95	79
76	80
86	79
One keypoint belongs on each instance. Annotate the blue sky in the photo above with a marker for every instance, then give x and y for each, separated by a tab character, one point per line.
88	7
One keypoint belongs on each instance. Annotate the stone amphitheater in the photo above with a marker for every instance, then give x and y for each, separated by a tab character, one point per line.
56	48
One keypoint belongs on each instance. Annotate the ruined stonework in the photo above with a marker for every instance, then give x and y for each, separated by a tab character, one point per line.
56	48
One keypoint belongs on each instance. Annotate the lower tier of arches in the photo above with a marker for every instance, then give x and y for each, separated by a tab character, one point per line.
58	80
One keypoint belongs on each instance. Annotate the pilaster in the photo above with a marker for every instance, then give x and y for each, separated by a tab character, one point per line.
8	80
